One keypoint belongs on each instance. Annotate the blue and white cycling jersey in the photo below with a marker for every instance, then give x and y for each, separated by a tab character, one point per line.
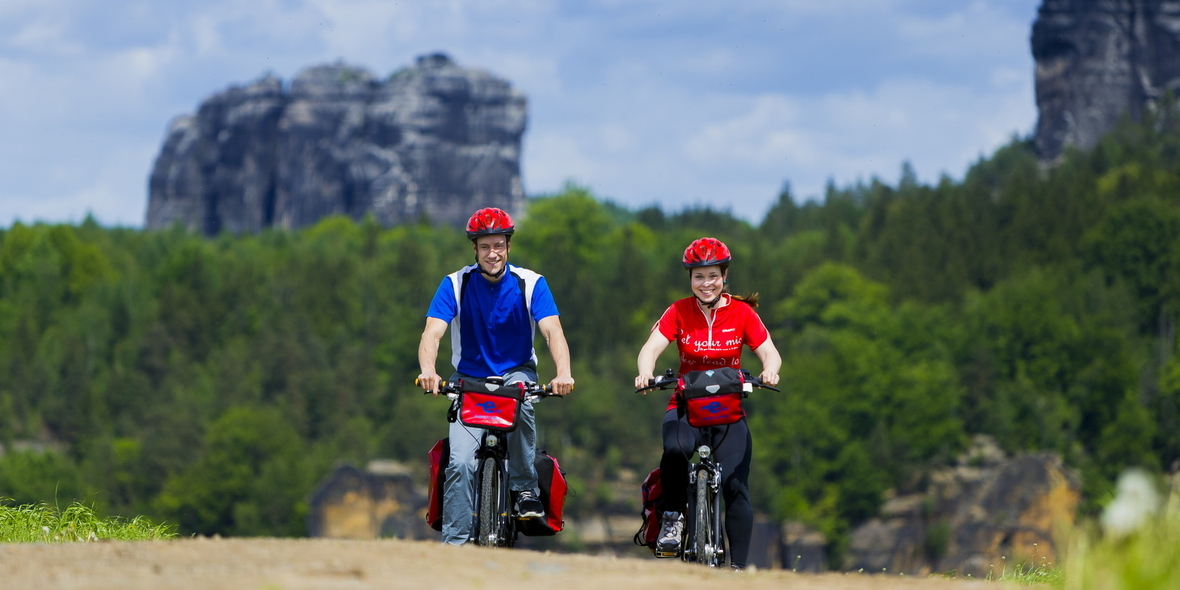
492	323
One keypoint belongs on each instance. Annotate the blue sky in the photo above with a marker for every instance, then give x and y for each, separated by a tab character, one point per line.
676	102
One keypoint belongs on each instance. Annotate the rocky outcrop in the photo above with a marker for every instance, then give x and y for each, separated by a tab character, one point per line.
434	140
381	501
1097	60
985	513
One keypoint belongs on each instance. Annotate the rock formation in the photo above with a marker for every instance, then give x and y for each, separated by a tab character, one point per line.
975	518
434	140
1097	60
380	501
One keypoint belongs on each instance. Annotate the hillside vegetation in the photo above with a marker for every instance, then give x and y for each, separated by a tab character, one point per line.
210	383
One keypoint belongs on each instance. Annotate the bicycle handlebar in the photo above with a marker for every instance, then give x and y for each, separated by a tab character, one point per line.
531	389
669	379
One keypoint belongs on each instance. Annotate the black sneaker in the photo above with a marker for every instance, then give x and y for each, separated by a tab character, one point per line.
528	505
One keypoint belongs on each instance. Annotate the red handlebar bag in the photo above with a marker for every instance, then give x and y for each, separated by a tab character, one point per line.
713	397
483	404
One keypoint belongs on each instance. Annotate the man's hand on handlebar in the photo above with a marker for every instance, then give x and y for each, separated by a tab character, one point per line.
429	382
562	385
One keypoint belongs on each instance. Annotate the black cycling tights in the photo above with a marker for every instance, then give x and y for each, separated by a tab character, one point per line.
731	449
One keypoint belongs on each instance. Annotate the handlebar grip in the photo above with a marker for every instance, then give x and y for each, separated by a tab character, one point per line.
443	386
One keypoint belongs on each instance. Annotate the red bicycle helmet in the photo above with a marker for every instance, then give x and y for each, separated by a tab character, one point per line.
706	252
489	221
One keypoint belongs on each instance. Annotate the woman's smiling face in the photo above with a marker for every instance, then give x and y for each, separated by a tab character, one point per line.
707	283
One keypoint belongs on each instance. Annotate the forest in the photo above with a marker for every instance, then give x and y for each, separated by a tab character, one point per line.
210	383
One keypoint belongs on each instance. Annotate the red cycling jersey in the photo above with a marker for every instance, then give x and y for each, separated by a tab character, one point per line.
705	345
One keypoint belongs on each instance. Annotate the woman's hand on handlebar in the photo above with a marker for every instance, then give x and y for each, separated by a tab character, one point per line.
769	378
429	382
642	381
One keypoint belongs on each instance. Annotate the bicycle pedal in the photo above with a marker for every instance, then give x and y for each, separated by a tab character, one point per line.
666	554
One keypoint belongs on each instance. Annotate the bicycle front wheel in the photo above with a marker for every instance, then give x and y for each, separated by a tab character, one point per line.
703	531
489	503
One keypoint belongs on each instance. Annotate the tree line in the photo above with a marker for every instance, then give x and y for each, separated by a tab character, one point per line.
212	382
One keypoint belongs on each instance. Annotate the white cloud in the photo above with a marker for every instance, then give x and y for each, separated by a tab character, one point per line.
45	36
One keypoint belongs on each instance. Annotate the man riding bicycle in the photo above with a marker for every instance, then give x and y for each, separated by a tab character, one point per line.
493	309
709	329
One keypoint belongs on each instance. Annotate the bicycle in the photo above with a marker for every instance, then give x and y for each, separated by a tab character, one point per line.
491	405
705	528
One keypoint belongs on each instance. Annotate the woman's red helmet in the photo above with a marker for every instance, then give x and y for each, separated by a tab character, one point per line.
489	221
706	252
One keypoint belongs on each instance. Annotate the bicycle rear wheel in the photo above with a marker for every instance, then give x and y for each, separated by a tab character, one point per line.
703	531
489	503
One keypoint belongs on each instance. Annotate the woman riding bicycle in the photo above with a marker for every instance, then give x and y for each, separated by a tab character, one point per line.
709	329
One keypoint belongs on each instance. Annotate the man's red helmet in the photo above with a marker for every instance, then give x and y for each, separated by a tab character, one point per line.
489	221
706	252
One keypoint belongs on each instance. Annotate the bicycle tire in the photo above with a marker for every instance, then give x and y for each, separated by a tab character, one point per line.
703	531
489	503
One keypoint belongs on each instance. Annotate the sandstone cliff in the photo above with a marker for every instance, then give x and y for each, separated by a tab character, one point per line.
381	501
434	140
987	513
1097	60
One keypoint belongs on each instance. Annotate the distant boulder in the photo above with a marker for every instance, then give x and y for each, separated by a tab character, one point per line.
434	140
381	501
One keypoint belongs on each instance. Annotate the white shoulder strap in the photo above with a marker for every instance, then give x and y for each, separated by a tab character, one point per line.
529	282
457	279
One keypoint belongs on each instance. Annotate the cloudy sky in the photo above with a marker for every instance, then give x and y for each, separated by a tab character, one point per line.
676	102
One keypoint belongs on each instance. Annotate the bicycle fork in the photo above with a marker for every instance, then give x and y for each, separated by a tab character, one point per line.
496	533
707	546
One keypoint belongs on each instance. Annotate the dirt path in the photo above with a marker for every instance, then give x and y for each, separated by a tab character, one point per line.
279	564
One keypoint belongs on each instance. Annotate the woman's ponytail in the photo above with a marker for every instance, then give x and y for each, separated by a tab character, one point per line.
750	299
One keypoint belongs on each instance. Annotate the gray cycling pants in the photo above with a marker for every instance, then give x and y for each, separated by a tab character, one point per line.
458	512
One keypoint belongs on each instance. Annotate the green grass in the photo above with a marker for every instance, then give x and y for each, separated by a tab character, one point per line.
1143	557
42	523
1145	560
1031	574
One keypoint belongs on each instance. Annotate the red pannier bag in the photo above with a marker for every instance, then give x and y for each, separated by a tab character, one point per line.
485	404
551	480
713	397
440	457
649	531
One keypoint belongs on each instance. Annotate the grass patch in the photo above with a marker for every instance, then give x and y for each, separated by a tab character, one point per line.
42	523
1031	574
1145	560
